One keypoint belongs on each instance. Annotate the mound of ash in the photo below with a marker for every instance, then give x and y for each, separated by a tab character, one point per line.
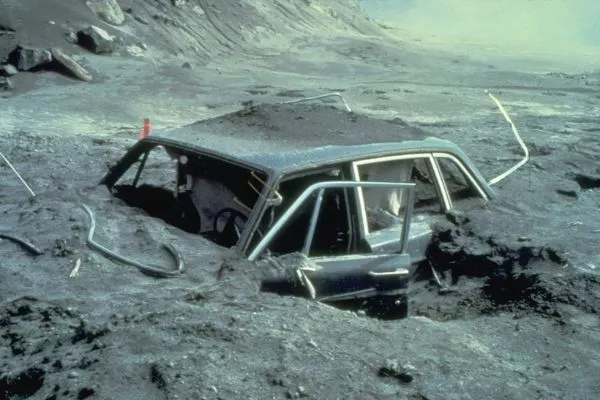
294	127
482	276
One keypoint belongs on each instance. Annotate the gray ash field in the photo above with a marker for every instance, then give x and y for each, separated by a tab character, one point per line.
521	321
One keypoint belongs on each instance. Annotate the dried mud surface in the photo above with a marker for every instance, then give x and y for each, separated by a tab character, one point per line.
520	318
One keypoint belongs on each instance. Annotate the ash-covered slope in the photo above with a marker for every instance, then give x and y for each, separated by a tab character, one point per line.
199	27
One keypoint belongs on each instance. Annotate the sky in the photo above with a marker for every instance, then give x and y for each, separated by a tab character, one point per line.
544	25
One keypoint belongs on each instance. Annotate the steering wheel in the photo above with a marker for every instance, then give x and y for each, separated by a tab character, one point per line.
229	232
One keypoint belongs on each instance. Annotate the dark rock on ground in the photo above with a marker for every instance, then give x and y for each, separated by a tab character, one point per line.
107	10
28	58
96	40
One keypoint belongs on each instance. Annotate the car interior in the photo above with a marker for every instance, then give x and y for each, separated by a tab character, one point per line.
197	193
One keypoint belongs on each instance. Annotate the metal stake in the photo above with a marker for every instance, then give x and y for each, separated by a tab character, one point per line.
18	175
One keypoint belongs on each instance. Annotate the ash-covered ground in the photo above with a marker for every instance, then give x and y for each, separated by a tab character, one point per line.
520	321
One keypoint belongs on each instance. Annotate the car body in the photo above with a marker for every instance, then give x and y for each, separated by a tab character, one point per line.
357	196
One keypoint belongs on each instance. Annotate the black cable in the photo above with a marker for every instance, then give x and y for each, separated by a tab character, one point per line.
146	269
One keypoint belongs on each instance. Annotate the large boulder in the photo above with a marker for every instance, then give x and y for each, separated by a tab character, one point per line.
28	58
96	40
108	11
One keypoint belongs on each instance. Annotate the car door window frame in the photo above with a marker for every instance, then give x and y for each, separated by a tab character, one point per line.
319	188
440	187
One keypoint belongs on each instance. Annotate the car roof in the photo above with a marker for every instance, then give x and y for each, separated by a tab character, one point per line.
285	138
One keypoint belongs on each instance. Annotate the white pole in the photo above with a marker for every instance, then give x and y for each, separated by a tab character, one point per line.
18	175
516	132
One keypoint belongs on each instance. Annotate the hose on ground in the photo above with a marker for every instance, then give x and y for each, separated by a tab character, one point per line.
146	269
23	243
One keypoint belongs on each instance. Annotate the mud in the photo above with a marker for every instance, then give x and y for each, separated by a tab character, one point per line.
517	316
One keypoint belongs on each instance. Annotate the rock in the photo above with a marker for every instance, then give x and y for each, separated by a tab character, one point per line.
186	65
28	58
96	39
71	65
135	50
178	3
71	37
9	69
107	10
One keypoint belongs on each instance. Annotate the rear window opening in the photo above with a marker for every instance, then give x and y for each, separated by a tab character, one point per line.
199	194
457	182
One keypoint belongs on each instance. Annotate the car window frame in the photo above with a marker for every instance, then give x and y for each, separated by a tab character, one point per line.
464	169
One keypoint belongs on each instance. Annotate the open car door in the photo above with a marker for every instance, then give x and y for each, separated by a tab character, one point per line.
344	277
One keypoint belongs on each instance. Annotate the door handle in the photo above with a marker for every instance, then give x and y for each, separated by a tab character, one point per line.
397	272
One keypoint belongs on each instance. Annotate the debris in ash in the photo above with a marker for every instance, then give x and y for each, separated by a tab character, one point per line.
282	278
157	377
62	248
30	58
96	40
5	84
108	11
393	369
83	332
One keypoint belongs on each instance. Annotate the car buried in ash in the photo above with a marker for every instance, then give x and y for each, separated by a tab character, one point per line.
356	196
